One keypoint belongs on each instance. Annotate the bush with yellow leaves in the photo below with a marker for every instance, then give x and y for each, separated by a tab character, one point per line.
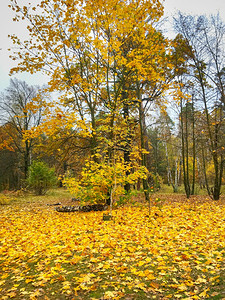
99	180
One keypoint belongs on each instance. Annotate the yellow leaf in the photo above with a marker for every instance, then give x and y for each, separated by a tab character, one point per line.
150	277
155	285
200	280
110	295
75	260
11	294
61	278
100	266
204	294
182	287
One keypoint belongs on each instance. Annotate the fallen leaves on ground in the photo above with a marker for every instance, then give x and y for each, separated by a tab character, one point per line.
176	253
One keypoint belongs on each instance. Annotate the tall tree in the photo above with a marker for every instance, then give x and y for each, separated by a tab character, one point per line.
205	44
94	53
19	114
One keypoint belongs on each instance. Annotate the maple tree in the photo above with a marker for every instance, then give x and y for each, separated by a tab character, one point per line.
106	58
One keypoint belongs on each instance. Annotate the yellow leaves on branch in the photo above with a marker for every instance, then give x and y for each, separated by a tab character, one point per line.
88	46
178	94
58	122
65	36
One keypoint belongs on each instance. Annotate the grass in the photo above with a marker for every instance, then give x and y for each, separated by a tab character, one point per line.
4	200
165	189
29	199
177	253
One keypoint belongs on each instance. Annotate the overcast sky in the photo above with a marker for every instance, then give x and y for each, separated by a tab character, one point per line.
7	26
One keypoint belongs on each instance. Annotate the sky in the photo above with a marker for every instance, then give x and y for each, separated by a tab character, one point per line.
7	26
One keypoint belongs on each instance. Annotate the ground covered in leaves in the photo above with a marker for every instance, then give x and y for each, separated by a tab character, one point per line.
177	253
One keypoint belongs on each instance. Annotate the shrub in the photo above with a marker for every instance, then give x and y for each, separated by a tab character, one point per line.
41	178
100	180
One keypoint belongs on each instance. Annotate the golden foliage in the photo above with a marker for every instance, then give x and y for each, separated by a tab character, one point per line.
99	180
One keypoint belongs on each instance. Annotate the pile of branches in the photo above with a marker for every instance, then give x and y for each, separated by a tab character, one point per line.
84	208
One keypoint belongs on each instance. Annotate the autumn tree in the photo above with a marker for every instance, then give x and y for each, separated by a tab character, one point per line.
103	57
204	40
10	173
18	116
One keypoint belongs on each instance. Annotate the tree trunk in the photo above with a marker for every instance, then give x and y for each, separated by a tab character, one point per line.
142	138
194	149
127	147
187	190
